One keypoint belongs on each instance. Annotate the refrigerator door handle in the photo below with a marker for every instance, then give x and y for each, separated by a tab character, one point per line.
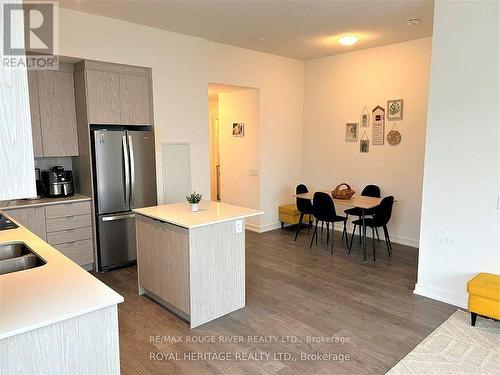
126	167
132	169
118	217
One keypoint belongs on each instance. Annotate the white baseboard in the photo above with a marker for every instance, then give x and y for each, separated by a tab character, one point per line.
252	227
396	239
267	227
338	227
262	228
455	299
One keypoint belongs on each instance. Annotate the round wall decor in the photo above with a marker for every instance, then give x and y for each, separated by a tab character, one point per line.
393	137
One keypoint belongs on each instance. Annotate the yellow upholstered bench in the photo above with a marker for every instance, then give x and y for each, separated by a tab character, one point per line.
290	215
484	296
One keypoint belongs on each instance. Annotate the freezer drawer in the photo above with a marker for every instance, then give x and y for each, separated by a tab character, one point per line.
116	235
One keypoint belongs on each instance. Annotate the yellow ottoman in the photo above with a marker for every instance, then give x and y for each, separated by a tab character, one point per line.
484	296
290	215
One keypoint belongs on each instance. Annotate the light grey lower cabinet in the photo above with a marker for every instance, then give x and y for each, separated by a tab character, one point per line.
85	344
69	230
198	273
66	226
32	218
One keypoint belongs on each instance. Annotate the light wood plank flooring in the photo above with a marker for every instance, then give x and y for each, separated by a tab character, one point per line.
291	291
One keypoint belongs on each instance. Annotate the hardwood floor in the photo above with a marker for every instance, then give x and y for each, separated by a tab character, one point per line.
293	293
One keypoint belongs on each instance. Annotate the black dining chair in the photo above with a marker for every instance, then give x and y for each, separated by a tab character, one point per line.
368	191
305	208
324	210
381	216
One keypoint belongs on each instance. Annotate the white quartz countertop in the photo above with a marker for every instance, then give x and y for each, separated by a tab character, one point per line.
25	203
209	213
44	295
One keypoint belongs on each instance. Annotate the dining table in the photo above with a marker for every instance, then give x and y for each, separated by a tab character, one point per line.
360	201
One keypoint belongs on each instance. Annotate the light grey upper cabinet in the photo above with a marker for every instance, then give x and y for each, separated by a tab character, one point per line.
103	97
56	95
36	130
135	99
115	94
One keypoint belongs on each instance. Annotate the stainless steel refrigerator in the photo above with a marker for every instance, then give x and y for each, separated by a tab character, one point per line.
124	179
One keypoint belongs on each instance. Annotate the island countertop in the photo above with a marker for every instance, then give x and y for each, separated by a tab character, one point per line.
53	292
209	213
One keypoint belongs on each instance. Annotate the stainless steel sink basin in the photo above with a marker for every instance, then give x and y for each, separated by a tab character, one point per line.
17	257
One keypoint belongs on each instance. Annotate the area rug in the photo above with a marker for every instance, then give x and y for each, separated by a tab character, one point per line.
455	347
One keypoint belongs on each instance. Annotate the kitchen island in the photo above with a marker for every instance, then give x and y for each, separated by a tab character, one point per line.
193	263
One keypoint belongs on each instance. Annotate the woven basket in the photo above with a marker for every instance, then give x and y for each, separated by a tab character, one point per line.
346	193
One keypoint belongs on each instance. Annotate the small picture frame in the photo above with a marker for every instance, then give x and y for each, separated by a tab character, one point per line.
395	110
238	129
351	132
364	146
365	118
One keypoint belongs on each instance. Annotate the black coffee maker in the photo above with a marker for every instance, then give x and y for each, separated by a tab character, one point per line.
58	182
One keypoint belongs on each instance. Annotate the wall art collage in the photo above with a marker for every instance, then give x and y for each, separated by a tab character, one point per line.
376	119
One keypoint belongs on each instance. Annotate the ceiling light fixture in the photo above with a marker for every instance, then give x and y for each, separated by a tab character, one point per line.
348	40
414	21
261	39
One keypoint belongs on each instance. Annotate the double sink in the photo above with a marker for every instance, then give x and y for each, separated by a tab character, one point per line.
18	256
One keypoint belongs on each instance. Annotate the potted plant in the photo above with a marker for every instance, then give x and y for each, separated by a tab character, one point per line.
193	200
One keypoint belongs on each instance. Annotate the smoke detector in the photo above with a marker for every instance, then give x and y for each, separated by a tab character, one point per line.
414	21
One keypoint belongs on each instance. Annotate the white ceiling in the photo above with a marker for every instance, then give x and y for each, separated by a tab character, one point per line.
299	29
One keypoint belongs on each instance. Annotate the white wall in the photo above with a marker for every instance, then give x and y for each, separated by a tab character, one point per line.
179	78
182	67
460	222
337	88
280	82
238	155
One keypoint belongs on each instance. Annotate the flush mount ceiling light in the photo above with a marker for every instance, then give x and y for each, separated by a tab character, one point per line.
348	40
414	21
261	39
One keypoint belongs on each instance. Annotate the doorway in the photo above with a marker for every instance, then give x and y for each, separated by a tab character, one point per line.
213	123
234	136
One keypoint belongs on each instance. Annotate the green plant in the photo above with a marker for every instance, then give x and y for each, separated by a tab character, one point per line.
193	198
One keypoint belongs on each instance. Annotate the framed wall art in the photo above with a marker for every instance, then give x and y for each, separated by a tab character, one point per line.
364	144
378	125
394	136
365	118
395	110
238	129
351	132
